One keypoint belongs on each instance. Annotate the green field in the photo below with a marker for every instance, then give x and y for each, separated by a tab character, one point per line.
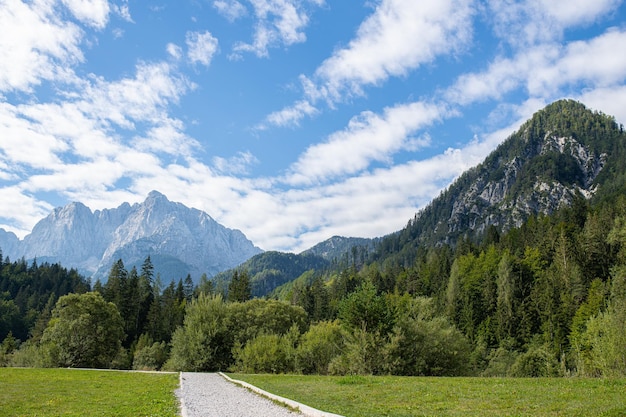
69	392
411	396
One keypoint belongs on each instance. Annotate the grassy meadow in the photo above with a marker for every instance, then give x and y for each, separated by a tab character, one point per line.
357	396
71	392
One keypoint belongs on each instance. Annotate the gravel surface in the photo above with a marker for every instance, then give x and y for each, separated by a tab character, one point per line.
203	394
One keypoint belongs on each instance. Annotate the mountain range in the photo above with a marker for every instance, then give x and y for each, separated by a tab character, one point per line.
565	153
178	239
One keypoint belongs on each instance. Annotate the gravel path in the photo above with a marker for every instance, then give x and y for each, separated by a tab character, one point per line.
203	394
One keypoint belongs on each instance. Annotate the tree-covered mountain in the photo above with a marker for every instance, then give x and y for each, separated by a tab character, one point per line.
563	154
271	269
338	247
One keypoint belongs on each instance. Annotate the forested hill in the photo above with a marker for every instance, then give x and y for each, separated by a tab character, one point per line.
272	269
563	153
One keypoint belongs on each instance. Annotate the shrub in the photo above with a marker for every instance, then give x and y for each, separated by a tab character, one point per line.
268	353
204	342
319	346
362	355
537	361
149	355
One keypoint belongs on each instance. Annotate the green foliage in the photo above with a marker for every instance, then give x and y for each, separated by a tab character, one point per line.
31	355
500	362
424	344
537	361
239	289
269	270
601	348
85	331
26	291
204	341
149	355
365	309
318	347
256	317
314	298
362	354
7	347
268	353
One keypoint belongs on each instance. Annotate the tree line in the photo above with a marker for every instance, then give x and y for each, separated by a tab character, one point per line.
545	299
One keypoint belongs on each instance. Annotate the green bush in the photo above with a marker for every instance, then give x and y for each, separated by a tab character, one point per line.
268	353
427	347
319	346
149	355
362	355
537	361
500	362
204	341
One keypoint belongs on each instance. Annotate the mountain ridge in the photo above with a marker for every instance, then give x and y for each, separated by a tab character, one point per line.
179	240
563	152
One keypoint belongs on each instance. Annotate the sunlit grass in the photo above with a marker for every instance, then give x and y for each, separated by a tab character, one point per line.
409	396
69	392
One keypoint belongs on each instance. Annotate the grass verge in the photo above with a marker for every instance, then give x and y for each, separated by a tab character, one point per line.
71	392
408	396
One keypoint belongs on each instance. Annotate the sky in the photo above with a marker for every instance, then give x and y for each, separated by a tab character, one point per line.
290	120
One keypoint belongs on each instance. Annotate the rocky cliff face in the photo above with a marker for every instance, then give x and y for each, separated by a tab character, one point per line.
498	200
178	239
562	153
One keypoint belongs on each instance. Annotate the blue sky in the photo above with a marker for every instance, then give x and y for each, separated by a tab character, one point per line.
291	120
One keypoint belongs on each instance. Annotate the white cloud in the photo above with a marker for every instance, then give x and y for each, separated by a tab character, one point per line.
278	23
594	61
144	97
610	100
397	38
23	207
167	136
35	45
502	76
368	204
201	47
123	11
174	51
525	22
91	12
24	144
546	70
236	165
291	116
369	137
231	10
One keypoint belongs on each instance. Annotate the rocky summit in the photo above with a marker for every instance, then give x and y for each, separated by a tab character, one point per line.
179	240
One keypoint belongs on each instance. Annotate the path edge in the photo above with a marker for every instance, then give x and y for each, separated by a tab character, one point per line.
304	409
181	397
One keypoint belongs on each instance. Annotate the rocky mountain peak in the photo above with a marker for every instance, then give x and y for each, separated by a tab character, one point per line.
557	156
179	240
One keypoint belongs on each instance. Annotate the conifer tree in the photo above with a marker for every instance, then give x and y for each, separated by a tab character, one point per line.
239	289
